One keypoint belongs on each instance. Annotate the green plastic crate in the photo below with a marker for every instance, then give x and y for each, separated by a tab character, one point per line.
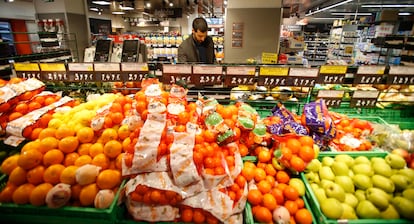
248	215
314	204
25	214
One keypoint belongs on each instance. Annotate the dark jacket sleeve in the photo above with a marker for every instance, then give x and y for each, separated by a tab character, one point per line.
187	51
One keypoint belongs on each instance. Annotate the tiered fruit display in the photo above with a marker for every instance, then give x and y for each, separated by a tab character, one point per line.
362	187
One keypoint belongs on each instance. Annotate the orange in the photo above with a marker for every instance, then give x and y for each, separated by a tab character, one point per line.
52	173
6	193
187	215
183	118
47	132
18	176
70	159
297	164
291	193
4	107
263	215
307	153
64	131
49	100
68	144
254	197
44	120
29	159
38	195
87	194
22	194
101	160
15	115
83	160
85	135
282	177
244	151
300	203
8	165
269	201
278	195
48	143
209	136
118	161
68	175
303	216
264	156
75	189
34	106
248	173
83	149
108	179
294	145
54	156
112	149
26	96
270	170
123	132
116	107
259	174
27	132
31	145
22	108
306	141
291	206
116	117
35	175
95	149
198	216
271	180
108	135
35	133
39	99
240	180
264	186
126	145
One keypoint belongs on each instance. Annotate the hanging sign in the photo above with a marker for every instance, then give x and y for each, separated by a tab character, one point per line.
240	75
134	72
53	72
364	98
401	75
81	72
369	75
206	75
332	74
332	98
303	77
27	70
272	76
108	72
175	73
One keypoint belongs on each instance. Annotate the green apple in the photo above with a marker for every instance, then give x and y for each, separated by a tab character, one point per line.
407	172
334	190
382	169
298	185
345	158
362	181
314	186
312	177
390	213
351	173
383	183
401	182
361	160
316	149
313	166
351	200
378	197
363	169
408	193
325	183
327	161
326	173
395	161
331	208
340	168
377	160
277	165
404	206
320	194
367	210
346	183
360	195
348	213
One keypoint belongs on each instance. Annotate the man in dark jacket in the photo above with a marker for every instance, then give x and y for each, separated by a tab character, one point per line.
198	47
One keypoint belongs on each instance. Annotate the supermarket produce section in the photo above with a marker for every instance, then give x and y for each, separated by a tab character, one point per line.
125	143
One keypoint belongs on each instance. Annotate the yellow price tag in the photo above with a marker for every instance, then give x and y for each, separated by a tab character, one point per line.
333	69
52	67
26	67
274	71
269	58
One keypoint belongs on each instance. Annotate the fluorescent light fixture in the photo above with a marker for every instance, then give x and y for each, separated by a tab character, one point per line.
94	9
404	13
328	7
118	13
351	13
148	4
127	8
387	6
325	18
101	2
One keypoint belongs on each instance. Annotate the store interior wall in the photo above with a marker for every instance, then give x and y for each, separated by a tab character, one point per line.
261	32
19	10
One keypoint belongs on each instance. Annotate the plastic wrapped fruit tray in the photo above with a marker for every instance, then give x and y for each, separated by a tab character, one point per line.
14	213
315	206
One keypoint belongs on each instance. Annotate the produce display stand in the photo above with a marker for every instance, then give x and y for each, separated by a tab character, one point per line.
314	204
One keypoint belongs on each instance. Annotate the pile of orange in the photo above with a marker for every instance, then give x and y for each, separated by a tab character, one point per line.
295	151
196	215
354	127
153	196
271	190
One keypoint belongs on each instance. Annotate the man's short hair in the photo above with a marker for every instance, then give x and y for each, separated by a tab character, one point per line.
200	24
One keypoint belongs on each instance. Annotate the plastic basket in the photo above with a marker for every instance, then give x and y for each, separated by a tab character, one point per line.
314	204
248	215
14	213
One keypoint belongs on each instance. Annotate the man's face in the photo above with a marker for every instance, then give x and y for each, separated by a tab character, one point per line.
199	36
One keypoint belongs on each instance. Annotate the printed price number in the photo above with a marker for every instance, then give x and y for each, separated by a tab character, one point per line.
333	102
54	76
303	81
272	81
28	75
82	76
110	77
400	80
331	78
209	79
367	79
358	102
173	78
239	80
131	77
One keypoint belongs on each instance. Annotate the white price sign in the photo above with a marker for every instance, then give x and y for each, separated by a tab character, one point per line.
134	67
304	72
205	69
241	70
176	69
401	70
371	70
107	67
80	67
